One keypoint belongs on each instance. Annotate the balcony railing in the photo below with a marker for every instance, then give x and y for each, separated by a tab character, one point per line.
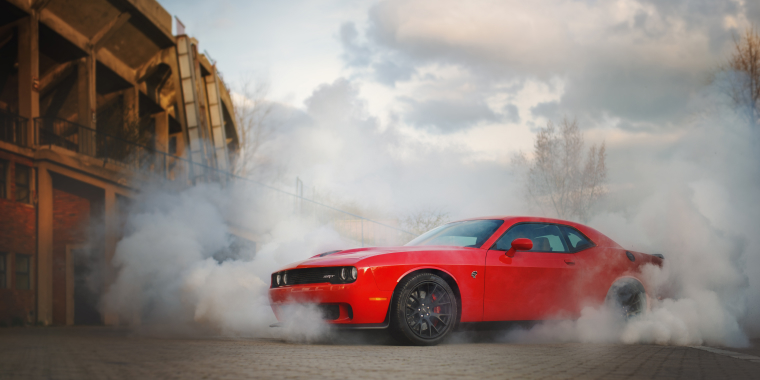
65	134
121	152
14	129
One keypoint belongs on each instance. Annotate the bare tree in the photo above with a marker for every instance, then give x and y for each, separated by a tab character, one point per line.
557	180
253	113
423	220
744	84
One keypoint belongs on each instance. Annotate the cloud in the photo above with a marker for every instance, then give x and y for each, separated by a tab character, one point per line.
354	54
549	110
447	115
630	59
388	72
511	113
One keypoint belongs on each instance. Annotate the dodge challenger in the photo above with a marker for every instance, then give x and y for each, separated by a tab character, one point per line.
468	273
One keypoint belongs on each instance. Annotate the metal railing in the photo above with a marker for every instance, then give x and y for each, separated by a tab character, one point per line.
65	134
14	129
134	156
50	131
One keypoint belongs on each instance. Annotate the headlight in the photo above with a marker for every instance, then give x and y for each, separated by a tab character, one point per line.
354	273
278	279
343	273
285	278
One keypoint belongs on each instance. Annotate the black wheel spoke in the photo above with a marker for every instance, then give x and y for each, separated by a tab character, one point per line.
428	310
442	301
432	294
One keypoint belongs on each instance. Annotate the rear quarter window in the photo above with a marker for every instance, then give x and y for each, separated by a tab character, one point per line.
576	239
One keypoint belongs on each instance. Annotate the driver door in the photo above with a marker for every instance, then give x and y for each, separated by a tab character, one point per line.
530	285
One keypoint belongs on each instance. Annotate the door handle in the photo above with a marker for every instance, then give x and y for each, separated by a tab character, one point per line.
570	261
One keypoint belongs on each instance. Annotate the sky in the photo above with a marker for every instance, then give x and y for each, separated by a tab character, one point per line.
471	81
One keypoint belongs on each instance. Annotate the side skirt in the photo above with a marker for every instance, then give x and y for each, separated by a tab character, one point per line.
496	325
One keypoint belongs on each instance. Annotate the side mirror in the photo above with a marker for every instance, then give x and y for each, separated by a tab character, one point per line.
519	244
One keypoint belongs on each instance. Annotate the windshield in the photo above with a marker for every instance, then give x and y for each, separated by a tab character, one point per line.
469	233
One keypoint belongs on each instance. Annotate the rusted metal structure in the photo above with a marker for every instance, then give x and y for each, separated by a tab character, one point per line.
95	95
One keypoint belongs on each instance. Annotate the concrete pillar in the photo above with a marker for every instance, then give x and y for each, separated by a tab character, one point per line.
29	70
170	58
110	215
132	106
162	141
87	97
88	104
204	128
44	246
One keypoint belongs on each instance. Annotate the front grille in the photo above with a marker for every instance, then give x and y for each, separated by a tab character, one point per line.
318	275
313	276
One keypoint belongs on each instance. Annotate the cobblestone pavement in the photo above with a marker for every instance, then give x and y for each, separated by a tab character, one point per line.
105	353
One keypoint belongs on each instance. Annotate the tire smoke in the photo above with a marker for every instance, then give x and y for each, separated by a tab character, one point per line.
699	209
180	267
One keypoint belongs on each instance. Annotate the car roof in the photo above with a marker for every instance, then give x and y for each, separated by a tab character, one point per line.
596	236
517	218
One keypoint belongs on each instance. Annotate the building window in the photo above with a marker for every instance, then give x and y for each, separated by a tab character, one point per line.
3	270
23	181
173	145
3	179
23	270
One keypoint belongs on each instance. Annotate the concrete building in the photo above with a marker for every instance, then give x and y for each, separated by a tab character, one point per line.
95	97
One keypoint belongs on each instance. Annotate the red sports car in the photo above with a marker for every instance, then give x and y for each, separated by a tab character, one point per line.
468	273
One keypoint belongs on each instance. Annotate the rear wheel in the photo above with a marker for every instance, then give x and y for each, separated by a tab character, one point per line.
424	310
628	298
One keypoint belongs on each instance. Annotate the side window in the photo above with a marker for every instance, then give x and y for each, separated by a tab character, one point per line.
576	239
3	179
545	237
23	183
3	269
23	271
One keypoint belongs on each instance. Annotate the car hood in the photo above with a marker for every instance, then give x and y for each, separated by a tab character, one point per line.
353	256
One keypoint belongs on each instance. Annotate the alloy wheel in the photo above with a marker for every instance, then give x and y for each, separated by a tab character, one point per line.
428	310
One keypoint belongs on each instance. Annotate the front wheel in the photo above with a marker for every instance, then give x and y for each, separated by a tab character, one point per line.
424	310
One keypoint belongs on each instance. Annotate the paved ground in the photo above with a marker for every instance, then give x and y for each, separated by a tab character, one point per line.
105	353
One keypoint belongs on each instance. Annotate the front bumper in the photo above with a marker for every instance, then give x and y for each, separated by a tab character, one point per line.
360	302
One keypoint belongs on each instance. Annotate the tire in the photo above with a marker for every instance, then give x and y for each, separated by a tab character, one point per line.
627	298
424	310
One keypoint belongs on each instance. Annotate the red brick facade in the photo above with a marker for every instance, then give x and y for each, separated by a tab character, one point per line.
71	217
18	236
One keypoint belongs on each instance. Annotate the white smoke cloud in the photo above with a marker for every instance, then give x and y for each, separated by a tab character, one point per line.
699	209
179	267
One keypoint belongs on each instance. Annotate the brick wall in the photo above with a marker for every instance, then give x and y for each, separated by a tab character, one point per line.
71	217
18	235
